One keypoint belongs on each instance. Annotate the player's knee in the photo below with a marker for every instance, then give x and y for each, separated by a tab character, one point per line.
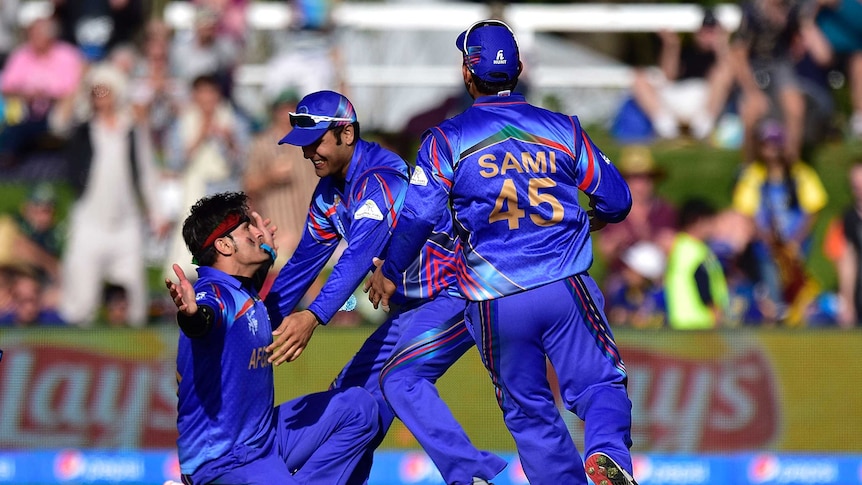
387	388
396	385
363	405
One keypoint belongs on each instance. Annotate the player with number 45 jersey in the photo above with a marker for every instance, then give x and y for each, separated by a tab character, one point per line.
512	173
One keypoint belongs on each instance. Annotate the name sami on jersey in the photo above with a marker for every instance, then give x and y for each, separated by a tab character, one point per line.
541	162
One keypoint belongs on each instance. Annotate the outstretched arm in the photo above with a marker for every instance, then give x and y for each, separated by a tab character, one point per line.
194	321
182	293
375	209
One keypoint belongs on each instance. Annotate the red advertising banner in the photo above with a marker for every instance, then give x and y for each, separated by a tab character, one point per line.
87	389
691	392
686	404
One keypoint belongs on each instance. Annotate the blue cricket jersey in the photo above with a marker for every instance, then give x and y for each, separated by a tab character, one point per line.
435	269
361	212
226	392
511	173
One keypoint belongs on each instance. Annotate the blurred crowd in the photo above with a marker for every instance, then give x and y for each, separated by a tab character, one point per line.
768	89
138	120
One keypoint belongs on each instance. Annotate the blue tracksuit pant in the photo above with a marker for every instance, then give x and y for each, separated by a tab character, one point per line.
564	323
408	353
321	438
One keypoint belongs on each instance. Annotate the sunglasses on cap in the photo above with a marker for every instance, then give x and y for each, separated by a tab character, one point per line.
305	120
480	24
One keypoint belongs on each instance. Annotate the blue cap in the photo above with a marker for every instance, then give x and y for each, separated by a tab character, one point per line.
317	113
490	51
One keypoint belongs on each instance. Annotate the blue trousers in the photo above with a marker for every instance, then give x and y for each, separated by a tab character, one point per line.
399	364
562	322
320	439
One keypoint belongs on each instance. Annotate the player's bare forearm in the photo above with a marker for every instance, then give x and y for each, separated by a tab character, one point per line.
291	337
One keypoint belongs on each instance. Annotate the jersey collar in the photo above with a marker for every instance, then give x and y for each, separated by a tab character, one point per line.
495	99
211	273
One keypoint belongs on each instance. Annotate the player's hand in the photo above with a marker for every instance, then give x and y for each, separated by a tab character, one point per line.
596	224
267	229
291	337
379	288
182	293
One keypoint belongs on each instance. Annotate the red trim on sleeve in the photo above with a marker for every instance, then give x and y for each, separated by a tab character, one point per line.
588	178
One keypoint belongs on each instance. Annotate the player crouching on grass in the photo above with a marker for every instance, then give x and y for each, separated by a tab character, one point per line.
229	431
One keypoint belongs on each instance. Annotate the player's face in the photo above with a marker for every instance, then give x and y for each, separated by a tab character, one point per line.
247	239
329	156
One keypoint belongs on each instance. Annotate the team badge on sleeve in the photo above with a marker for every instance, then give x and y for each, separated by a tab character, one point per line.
200	295
419	177
369	210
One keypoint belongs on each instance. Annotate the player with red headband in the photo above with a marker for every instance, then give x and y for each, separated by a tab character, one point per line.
229	431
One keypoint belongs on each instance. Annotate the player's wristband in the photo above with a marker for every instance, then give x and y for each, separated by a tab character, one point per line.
197	325
270	250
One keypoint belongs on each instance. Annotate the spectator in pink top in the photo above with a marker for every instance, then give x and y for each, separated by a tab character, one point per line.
42	67
39	72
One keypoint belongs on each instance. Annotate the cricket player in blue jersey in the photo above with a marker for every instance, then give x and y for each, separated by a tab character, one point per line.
509	174
229	430
360	192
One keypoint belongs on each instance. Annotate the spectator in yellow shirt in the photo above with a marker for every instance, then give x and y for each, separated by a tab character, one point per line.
783	197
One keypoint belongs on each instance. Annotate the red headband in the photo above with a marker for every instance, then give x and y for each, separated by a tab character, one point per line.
231	222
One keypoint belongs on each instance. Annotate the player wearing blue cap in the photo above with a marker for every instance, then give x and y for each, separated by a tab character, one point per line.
361	190
229	431
510	173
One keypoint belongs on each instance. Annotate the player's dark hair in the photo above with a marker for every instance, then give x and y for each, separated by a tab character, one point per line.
338	130
486	87
205	216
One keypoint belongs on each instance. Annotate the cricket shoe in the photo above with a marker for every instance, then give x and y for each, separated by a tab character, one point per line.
603	470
